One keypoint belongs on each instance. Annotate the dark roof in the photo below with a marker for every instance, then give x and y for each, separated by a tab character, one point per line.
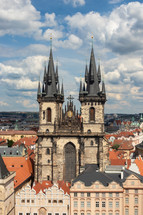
140	146
91	175
3	170
12	151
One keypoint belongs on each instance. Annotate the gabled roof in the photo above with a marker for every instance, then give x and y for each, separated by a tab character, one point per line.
91	175
27	141
3	169
23	168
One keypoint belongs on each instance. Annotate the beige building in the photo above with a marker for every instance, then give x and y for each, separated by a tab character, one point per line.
116	191
67	141
42	199
6	190
16	135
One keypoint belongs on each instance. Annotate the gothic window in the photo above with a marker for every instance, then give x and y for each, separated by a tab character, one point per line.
49	115
92	114
43	114
48	151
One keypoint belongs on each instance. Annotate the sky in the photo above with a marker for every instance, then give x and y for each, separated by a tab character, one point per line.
25	30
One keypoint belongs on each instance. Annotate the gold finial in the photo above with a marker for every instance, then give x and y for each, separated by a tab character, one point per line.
92	37
51	39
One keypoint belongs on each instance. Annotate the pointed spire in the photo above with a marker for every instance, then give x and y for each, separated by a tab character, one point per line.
83	86
56	75
80	89
58	88
62	89
86	74
103	88
99	74
39	90
44	79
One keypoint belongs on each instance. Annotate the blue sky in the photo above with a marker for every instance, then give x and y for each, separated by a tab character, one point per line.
25	29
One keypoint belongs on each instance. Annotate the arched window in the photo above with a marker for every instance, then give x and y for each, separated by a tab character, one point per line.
92	114
49	115
43	114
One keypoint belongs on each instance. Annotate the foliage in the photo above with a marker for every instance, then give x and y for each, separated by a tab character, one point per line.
10	143
115	146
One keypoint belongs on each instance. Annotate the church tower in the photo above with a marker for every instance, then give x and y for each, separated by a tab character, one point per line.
68	140
92	100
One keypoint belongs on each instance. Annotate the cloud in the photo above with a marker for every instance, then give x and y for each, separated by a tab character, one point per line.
120	31
75	3
19	18
73	42
27	103
115	1
3	103
50	19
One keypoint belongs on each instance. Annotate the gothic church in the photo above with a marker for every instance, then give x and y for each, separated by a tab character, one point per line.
68	140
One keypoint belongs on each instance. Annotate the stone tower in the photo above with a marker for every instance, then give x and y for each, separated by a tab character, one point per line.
67	140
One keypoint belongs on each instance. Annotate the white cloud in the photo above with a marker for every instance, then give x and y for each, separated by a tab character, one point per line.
121	30
19	18
115	1
73	42
27	103
3	103
75	3
50	19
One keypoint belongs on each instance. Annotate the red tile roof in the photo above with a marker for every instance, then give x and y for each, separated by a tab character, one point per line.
27	141
22	166
139	163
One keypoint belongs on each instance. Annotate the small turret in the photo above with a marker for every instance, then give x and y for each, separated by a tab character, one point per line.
56	75
39	90
99	74
86	74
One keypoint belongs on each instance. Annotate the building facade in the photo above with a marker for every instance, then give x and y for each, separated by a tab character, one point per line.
49	201
67	141
113	192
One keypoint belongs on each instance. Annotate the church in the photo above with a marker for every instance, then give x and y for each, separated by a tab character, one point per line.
68	141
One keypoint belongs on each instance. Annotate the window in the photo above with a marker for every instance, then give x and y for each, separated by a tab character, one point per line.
23	201
56	213
20	213
32	200
49	115
91	143
54	201
97	204
117	194
116	213
27	213
75	213
88	194
117	204
136	191
92	114
103	194
110	194
43	114
75	194
28	200
82	194
132	182
48	151
136	211
136	200
88	204
60	201
82	204
82	213
75	204
103	204
48	177
127	200
48	161
110	214
35	214
49	201
97	194
49	213
97	213
126	211
110	204
103	214
64	214
88	213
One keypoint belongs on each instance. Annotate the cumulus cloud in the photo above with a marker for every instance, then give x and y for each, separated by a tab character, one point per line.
27	103
121	30
115	1
50	19
19	18
73	42
75	3
3	103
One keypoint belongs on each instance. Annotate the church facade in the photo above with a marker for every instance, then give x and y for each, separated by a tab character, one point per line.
68	140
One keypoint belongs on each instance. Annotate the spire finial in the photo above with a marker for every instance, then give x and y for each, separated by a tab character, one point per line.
92	37
51	40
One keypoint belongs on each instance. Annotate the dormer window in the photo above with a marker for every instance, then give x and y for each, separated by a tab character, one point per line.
92	114
48	114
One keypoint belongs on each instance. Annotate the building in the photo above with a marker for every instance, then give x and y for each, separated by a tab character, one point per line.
6	190
67	141
113	192
43	199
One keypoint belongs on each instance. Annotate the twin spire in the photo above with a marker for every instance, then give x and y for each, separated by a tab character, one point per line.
51	86
91	86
